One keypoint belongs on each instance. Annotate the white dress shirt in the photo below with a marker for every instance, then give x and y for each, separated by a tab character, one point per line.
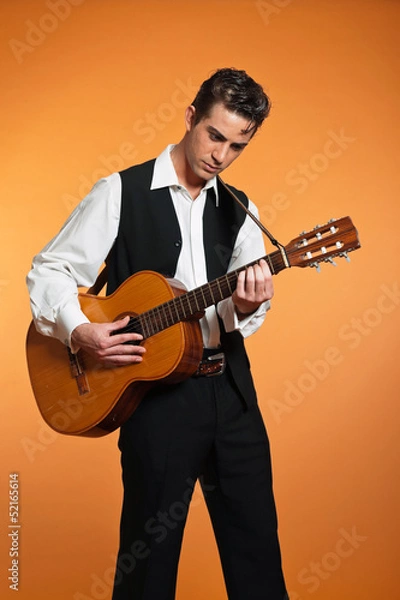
73	258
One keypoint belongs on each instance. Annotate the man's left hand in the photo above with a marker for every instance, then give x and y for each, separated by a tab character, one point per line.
254	286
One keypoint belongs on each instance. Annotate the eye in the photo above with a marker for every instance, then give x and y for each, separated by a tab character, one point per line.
214	137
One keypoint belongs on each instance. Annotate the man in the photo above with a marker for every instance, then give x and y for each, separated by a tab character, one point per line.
173	215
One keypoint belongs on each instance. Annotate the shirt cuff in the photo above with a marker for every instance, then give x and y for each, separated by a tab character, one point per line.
247	325
68	319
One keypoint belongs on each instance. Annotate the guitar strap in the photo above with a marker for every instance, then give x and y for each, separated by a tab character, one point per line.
100	282
269	235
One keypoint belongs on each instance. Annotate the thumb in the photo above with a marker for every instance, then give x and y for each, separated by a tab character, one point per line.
120	323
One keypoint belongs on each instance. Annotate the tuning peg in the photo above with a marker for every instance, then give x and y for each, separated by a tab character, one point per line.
345	255
317	266
330	259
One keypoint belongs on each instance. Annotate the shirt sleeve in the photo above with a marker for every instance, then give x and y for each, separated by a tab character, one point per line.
249	246
72	259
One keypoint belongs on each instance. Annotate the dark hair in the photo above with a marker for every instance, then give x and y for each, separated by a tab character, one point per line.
238	92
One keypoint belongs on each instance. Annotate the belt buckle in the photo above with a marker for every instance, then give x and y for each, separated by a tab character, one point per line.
219	357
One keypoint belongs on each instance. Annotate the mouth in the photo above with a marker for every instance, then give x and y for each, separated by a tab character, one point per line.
211	168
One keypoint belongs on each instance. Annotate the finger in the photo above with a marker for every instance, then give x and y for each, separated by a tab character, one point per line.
119	324
259	278
246	283
240	284
250	280
255	283
120	355
122	348
124	336
120	360
265	268
264	284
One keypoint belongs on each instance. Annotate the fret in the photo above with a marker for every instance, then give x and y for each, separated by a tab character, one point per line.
163	323
157	321
174	303
206	292
187	304
165	315
211	294
270	264
143	323
229	285
201	301
149	321
203	297
195	300
136	325
140	319
182	307
277	261
219	287
168	305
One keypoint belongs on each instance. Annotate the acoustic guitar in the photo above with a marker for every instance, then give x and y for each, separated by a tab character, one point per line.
77	395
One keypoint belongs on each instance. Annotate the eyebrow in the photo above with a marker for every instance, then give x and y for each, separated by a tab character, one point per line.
212	129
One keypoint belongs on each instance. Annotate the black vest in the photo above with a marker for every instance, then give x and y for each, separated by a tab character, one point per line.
149	237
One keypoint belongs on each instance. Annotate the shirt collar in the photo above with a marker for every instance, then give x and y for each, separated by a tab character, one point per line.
164	174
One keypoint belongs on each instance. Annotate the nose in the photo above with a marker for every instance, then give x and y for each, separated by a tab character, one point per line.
219	153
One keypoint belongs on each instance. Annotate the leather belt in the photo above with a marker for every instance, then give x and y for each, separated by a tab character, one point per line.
211	364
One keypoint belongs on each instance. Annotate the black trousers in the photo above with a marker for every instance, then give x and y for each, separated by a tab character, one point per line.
198	429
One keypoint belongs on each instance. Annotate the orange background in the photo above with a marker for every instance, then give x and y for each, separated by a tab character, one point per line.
97	86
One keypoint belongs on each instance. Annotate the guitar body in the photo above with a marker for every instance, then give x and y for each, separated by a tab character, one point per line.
77	395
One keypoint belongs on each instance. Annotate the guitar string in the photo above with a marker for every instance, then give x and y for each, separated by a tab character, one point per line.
139	323
215	294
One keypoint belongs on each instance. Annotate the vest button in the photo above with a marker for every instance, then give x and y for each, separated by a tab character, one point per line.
177	243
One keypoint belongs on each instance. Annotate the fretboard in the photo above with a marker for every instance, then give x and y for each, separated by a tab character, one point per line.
193	303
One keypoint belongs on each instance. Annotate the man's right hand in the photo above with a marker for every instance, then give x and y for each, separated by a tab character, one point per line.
110	350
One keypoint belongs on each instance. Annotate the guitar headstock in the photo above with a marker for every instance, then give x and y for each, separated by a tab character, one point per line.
323	243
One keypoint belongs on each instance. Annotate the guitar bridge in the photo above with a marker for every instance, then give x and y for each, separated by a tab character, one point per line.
78	373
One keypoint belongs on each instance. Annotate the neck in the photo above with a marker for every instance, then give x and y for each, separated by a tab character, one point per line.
186	177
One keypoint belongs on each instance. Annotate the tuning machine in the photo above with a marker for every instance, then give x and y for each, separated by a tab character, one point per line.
316	265
345	255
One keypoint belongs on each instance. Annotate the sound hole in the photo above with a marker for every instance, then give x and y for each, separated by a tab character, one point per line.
134	326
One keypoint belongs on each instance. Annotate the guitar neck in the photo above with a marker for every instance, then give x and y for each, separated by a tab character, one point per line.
337	237
191	304
213	292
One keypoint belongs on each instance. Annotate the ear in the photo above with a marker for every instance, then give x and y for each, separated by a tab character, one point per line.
190	115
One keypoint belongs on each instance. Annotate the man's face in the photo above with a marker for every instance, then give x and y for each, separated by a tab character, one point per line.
215	141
